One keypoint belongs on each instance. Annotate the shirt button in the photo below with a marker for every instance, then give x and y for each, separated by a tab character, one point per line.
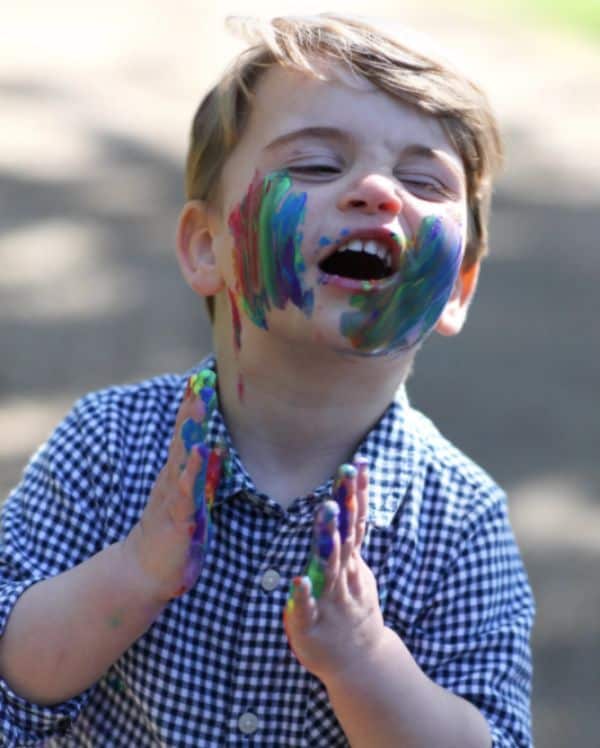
270	580
248	723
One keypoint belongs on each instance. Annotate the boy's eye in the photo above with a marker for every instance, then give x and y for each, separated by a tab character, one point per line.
314	169
429	189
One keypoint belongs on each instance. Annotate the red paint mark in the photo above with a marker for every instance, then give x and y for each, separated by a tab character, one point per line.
245	232
191	530
240	388
180	591
236	320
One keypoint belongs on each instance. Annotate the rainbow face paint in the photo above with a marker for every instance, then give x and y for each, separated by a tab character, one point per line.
398	312
268	263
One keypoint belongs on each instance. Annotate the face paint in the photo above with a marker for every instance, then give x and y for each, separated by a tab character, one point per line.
399	312
237	339
268	263
236	320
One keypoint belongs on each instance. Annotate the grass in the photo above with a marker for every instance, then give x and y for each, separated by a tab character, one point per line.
582	16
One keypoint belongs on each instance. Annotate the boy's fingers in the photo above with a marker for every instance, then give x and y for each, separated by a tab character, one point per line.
183	504
187	431
345	495
199	400
362	499
327	524
324	562
301	608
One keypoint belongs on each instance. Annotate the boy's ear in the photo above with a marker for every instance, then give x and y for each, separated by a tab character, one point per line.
455	312
195	248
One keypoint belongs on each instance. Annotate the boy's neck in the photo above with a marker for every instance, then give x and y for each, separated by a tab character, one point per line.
295	415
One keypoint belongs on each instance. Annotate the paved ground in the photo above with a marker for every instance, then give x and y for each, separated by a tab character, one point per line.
95	107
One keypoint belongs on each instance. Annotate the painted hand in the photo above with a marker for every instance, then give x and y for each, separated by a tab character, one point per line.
170	541
332	617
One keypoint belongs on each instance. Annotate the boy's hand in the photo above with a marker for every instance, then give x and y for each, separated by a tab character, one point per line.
169	543
332	617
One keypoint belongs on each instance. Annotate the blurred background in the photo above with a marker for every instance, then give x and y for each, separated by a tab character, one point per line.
95	105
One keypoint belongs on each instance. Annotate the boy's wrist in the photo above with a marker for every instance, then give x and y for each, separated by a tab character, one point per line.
386	699
146	587
367	666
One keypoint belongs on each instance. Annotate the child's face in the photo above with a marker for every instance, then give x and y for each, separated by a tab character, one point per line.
343	216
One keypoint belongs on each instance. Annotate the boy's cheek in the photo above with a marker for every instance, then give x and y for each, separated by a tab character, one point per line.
401	313
267	229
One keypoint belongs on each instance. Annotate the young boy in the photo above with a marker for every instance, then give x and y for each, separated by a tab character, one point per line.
178	567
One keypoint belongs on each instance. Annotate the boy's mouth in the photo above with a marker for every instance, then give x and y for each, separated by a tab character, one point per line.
368	257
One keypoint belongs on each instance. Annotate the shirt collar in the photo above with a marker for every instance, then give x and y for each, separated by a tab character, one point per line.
390	448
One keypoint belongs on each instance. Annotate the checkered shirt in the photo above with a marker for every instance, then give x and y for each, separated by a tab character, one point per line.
215	668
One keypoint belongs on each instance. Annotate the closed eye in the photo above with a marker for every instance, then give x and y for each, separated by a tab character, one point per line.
428	189
314	170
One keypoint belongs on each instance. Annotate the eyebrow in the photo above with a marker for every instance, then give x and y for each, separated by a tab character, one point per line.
330	133
423	151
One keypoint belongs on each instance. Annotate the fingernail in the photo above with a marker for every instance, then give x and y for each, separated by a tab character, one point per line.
346	471
306	584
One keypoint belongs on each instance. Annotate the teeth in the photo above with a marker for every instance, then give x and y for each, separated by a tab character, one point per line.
370	247
354	246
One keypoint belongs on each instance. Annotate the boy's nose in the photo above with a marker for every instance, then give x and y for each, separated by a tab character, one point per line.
371	195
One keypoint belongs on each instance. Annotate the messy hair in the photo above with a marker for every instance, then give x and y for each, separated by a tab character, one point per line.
397	65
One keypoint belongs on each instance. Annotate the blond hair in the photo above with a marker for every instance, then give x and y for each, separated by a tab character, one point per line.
393	64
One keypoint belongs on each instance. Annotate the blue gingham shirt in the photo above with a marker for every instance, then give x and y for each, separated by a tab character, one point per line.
215	668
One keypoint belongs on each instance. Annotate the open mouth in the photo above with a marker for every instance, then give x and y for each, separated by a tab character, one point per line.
359	259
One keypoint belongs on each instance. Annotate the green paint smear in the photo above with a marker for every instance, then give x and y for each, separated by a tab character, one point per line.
316	573
402	311
267	258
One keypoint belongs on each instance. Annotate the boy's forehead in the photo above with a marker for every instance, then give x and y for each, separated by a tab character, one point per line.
281	86
287	100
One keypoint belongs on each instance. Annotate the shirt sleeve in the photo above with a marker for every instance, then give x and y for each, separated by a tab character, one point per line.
50	522
473	636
